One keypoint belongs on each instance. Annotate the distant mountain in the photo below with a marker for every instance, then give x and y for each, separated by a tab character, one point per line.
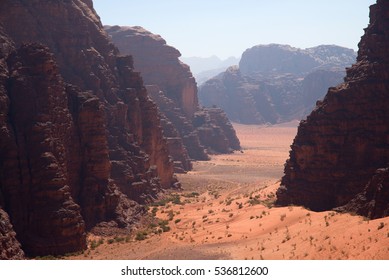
276	83
204	68
274	58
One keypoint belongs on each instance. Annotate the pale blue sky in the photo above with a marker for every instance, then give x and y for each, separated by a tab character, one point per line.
228	27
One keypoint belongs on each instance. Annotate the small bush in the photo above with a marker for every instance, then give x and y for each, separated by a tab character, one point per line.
141	235
381	226
254	201
192	194
119	239
164	225
170	214
175	199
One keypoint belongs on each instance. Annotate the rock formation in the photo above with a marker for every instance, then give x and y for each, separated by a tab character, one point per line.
80	140
276	83
372	202
341	150
9	246
174	90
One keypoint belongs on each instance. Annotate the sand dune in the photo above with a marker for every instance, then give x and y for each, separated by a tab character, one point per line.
225	212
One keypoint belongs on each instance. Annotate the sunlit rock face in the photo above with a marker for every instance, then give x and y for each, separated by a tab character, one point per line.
341	151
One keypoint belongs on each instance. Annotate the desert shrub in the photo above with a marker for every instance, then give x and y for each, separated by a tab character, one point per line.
254	201
170	215
164	225
175	199
141	235
192	194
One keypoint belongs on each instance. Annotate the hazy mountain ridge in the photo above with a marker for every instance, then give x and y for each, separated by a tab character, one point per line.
271	82
204	68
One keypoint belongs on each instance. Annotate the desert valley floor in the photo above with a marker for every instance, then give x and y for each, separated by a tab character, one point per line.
225	211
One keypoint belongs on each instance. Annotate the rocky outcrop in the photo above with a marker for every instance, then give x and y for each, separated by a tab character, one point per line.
276	83
215	131
342	143
9	245
372	202
174	90
80	140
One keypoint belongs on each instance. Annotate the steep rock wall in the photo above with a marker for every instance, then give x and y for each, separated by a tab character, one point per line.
344	141
79	136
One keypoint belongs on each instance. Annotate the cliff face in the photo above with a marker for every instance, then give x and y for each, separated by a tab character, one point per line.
159	64
80	139
276	83
174	90
344	141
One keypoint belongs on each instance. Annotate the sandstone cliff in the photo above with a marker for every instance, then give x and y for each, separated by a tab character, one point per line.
175	91
343	142
80	139
276	83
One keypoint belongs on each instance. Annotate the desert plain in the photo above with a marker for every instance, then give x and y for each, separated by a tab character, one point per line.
226	210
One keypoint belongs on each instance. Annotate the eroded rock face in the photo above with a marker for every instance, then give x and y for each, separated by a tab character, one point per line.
174	90
36	177
344	141
80	138
276	83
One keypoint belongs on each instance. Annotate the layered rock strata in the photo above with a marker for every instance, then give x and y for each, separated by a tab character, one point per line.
344	141
80	138
174	90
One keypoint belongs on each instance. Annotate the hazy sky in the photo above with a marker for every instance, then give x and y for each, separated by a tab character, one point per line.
228	27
